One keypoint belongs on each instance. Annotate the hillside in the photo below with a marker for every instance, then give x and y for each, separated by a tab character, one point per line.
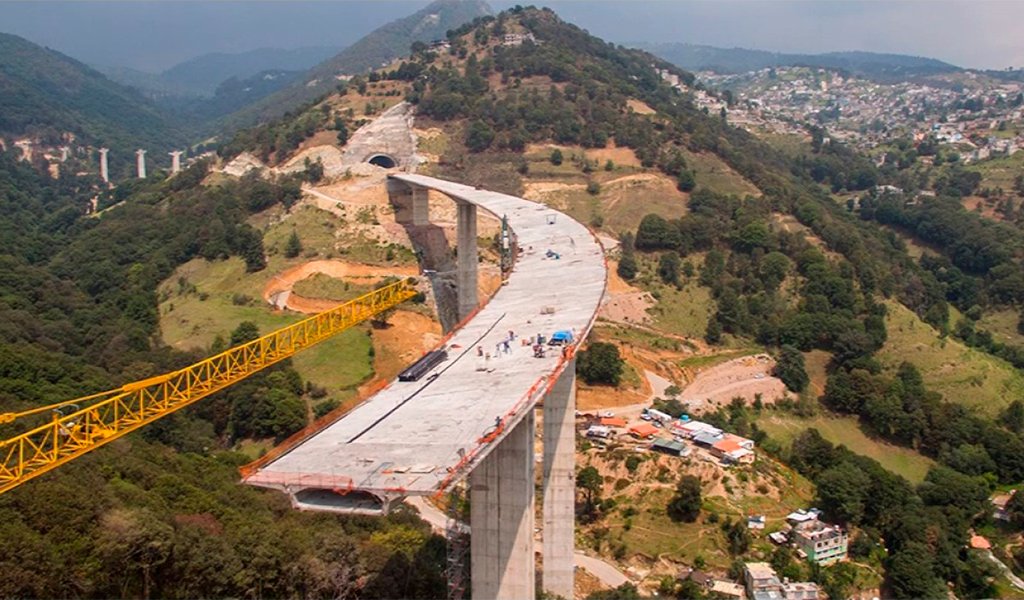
379	47
871	65
693	210
202	75
44	95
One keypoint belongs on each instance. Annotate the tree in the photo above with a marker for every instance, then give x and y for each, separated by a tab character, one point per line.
686	181
314	170
790	369
627	267
685	505
479	137
246	331
842	492
1013	416
600	364
556	157
342	130
911	573
668	268
713	332
589	480
655	233
739	537
294	246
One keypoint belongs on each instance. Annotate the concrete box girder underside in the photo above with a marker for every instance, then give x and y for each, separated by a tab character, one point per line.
412	438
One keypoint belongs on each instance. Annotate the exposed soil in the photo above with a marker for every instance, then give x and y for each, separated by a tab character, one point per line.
408	336
624	303
743	377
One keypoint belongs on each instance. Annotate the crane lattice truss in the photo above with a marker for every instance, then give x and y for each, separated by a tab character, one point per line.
73	431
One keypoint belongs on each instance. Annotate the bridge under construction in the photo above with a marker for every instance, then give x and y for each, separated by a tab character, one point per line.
464	413
472	414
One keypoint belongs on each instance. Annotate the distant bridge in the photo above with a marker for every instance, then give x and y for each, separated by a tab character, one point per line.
473	414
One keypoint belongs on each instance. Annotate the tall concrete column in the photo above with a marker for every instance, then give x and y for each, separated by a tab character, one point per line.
559	484
175	161
140	163
420	206
501	519
468	259
104	170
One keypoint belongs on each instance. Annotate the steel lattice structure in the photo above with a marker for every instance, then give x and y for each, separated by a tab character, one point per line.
118	412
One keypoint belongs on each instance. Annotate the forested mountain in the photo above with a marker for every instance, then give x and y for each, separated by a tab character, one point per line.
44	94
381	46
823	287
202	75
160	513
871	65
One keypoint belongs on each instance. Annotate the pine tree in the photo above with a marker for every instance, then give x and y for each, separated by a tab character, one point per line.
294	246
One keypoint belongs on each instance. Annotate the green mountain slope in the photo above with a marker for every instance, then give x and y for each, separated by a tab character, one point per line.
383	45
45	94
697	57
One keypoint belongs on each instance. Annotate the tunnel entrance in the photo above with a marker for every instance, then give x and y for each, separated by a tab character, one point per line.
383	161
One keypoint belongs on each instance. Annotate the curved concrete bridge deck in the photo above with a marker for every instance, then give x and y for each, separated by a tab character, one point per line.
416	438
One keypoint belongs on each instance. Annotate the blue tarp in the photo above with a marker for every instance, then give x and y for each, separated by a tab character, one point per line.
561	336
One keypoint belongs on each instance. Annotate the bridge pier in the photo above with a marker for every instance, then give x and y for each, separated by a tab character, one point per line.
501	492
420	206
468	259
559	484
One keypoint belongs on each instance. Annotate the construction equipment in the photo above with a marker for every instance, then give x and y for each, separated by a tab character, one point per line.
83	424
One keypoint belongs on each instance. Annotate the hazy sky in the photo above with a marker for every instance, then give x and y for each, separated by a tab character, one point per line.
156	34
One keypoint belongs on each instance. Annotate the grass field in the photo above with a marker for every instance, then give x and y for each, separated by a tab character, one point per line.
326	287
713	173
224	295
1000	172
961	374
1002	324
846	431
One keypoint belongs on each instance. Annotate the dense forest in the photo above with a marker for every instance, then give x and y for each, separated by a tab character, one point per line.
161	513
44	94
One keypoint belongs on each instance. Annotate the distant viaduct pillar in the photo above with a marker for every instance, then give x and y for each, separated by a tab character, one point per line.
104	170
175	161
140	163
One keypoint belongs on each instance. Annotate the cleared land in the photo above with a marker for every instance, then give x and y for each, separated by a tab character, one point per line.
846	431
961	374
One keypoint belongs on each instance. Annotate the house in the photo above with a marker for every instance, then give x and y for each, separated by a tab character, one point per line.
689	429
706	439
731	450
802	516
670	447
980	543
643	431
999	504
613	422
800	590
779	537
821	542
756	522
761	581
697	576
727	589
599	431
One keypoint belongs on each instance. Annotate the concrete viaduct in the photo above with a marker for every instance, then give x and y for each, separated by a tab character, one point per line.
473	416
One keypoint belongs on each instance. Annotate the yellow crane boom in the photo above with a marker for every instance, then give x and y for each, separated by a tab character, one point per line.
121	411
